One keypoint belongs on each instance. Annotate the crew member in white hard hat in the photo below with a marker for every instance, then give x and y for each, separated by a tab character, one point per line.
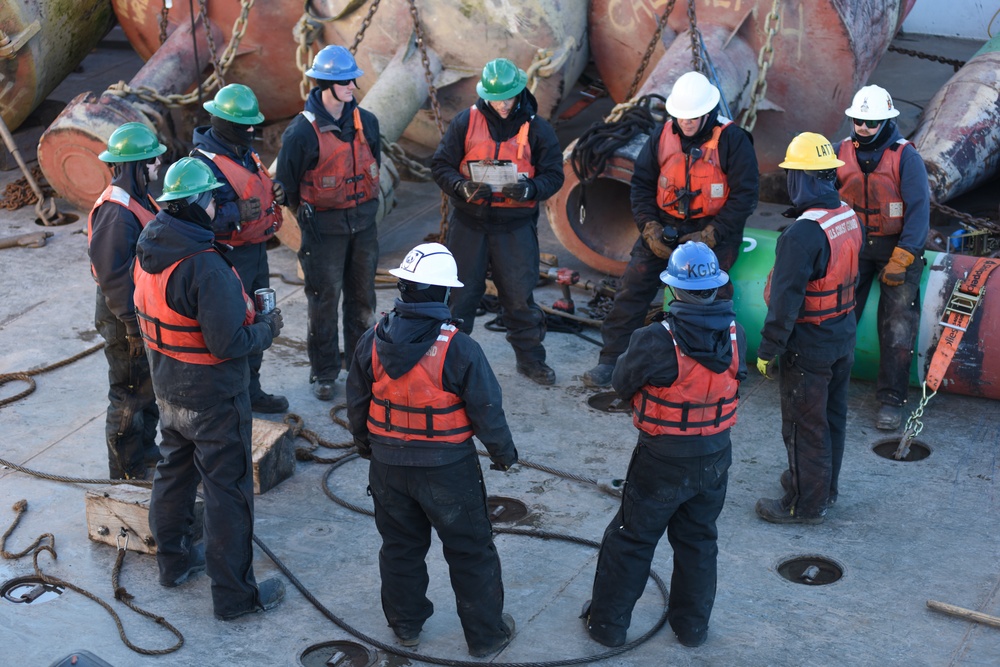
417	391
885	180
809	331
696	179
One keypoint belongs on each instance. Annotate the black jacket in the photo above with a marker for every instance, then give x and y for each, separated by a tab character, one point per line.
702	333
114	232
203	287
546	156
402	338
300	153
737	160
226	212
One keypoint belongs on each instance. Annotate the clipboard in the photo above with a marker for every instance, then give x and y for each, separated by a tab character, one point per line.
495	173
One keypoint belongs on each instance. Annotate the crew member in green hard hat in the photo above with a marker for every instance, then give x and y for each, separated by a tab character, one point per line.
200	328
113	227
809	330
497	161
329	161
247	204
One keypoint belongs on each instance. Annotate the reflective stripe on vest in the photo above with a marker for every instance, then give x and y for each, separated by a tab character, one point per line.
876	196
704	180
699	402
249	184
346	173
416	406
481	147
167	331
117	195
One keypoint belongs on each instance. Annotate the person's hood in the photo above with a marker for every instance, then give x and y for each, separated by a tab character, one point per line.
167	239
807	191
132	178
404	335
702	332
505	128
314	104
206	138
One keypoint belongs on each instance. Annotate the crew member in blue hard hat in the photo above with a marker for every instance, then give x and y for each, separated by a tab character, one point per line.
696	179
494	225
329	162
200	328
119	215
809	330
682	377
885	180
247	214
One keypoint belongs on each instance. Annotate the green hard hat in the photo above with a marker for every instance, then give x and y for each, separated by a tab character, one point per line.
237	104
186	177
132	142
501	80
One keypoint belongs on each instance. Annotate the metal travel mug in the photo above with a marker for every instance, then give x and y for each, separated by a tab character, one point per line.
264	298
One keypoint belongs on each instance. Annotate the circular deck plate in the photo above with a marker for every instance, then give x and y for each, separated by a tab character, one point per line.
888	446
338	654
811	570
505	510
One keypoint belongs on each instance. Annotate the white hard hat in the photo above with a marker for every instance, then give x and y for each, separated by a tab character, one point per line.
429	264
872	103
692	96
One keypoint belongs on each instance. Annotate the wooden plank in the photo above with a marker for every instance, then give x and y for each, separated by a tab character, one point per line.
111	508
273	454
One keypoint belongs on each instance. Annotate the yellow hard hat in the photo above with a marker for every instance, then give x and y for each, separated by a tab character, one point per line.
810	152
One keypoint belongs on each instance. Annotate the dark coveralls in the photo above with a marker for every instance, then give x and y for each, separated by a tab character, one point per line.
339	251
250	259
674	483
417	485
205	415
815	362
132	413
641	280
899	305
503	240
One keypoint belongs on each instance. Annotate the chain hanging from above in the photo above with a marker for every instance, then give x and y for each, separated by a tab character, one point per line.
764	60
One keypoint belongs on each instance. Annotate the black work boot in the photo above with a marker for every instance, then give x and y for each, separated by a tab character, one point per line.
508	623
773	511
268	403
196	564
889	417
537	371
786	484
601	633
599	376
269	595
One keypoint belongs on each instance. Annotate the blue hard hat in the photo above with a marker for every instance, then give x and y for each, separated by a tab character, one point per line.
693	266
334	63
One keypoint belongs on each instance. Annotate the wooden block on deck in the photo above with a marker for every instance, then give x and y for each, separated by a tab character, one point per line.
111	508
273	454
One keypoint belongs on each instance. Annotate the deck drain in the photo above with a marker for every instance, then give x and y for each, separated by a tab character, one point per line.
608	401
887	447
505	510
811	570
27	590
338	654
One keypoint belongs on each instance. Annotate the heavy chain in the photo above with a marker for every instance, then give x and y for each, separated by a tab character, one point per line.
20	193
660	25
913	426
203	13
305	32
417	171
978	223
954	62
164	11
764	60
543	65
367	21
696	63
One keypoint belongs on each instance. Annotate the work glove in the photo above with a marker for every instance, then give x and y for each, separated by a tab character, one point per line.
520	191
364	448
135	346
706	236
652	234
279	193
894	272
472	191
272	319
767	367
501	465
249	209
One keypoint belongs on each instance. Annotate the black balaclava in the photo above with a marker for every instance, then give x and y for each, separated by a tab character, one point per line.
812	188
192	209
235	134
411	292
700	297
875	141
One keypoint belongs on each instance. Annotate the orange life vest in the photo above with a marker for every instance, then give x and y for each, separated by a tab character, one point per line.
876	196
699	402
249	184
115	194
167	331
708	185
416	406
481	147
834	293
346	173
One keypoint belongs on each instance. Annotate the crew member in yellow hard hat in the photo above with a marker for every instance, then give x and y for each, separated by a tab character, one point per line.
885	180
497	161
809	330
114	225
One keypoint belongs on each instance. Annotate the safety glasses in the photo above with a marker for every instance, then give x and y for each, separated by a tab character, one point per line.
870	124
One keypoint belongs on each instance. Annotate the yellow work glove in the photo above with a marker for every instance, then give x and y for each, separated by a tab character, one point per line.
652	234
766	367
706	236
894	272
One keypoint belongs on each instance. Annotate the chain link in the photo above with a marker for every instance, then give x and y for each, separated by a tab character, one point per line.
954	62
764	60
364	26
981	223
305	32
164	11
913	426
696	64
203	13
20	193
660	25
543	66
